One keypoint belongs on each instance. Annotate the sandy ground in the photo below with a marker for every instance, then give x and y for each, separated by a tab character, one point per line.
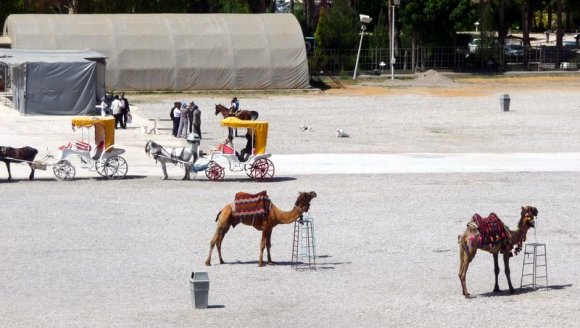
92	252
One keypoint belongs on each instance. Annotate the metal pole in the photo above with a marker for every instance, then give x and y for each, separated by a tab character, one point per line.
393	44
362	30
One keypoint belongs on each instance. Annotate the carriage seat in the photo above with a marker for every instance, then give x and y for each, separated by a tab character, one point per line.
226	149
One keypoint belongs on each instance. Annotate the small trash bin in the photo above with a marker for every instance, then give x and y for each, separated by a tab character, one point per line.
504	101
199	286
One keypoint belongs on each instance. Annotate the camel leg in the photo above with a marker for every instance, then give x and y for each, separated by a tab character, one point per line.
506	262
268	245
465	257
211	245
221	236
262	246
496	272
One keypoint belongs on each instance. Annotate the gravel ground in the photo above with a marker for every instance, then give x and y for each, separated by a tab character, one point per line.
92	252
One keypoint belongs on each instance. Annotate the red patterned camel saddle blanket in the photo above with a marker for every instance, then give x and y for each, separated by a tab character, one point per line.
491	230
251	209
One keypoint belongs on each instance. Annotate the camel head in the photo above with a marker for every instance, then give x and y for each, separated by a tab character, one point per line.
303	201
529	214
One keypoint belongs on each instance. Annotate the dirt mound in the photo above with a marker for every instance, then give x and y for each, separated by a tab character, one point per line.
432	77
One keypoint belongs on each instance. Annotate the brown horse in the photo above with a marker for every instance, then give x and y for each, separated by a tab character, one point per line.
246	115
18	155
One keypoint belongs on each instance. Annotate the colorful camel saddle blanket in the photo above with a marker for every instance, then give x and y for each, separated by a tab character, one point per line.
491	230
251	208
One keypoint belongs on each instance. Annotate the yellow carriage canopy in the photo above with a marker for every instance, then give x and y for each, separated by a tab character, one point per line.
260	131
104	128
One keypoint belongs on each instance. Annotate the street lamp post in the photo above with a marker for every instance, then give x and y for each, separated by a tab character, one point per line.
364	20
392	61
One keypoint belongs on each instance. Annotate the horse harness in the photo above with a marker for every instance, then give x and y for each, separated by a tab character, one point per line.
174	155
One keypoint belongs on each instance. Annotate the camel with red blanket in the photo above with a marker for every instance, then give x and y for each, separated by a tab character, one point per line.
18	155
492	235
256	210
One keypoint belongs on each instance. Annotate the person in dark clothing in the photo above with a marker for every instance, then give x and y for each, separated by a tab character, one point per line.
124	110
247	151
196	117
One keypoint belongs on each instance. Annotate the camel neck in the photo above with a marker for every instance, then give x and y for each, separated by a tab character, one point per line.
285	217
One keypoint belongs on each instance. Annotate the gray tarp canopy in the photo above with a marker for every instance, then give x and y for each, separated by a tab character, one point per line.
53	83
177	51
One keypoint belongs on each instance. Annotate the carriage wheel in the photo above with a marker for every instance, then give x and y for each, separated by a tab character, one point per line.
262	169
63	170
100	167
214	171
115	167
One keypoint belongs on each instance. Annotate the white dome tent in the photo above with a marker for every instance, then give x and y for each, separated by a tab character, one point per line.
177	52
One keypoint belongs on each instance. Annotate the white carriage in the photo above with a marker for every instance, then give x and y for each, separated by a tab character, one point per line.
101	156
253	159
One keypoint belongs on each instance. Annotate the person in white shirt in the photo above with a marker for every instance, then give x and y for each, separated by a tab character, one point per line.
175	115
116	107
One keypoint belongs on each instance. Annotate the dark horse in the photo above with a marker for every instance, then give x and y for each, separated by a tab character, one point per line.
245	115
18	155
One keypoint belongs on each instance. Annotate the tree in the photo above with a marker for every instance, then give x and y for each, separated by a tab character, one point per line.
337	27
434	22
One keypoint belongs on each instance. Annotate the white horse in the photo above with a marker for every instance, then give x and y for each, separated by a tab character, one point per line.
182	155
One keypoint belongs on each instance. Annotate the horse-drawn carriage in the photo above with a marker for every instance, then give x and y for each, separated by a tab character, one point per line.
101	156
252	159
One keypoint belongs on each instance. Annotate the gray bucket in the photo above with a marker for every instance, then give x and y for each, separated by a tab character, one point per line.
504	101
199	286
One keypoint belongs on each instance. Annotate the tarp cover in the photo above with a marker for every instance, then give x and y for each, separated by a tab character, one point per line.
53	85
20	56
177	51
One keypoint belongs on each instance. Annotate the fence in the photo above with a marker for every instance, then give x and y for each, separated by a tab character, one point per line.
341	62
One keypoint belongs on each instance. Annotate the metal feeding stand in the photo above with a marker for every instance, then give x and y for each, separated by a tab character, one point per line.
304	246
535	257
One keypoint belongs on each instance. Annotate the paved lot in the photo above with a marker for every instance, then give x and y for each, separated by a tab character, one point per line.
92	252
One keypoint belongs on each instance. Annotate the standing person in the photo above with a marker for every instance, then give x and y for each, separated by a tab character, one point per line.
182	129
104	107
175	115
196	118
116	108
190	116
125	110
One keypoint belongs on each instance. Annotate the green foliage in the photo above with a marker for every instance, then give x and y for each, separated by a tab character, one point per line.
338	27
380	36
434	22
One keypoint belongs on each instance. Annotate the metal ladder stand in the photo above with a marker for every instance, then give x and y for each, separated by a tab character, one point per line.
532	253
303	246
